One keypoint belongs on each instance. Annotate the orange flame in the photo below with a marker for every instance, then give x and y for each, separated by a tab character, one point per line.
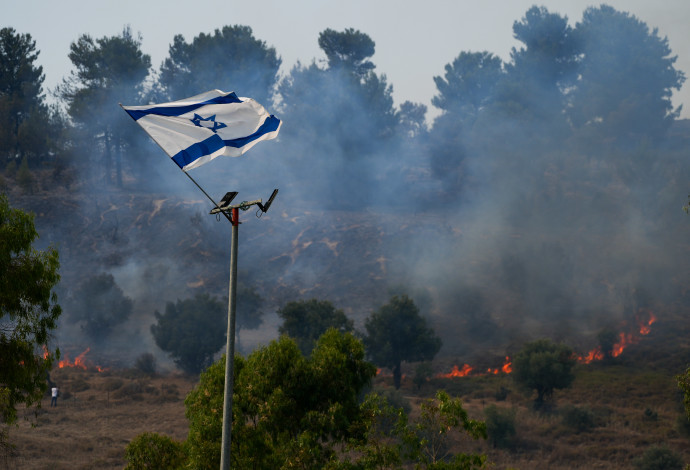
456	372
625	339
79	362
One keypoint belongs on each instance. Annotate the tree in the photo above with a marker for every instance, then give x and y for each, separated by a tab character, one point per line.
26	125
544	366
466	89
28	312
230	59
191	331
345	111
306	320
153	451
626	77
99	305
288	411
108	71
397	333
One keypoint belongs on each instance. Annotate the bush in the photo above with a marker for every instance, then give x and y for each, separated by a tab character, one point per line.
500	426
146	363
154	451
659	458
579	419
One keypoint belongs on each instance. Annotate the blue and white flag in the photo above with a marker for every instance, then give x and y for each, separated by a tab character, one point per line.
196	130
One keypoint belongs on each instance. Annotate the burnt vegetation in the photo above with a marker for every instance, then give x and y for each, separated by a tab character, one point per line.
532	233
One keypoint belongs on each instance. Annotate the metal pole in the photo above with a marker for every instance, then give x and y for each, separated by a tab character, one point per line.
230	348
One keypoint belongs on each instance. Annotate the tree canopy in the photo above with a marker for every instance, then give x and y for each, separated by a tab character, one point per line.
191	331
28	311
107	71
396	333
98	305
544	366
230	59
306	320
288	410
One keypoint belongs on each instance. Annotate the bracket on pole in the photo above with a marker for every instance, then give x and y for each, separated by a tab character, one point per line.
226	205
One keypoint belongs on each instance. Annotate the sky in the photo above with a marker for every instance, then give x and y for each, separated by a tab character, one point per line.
414	39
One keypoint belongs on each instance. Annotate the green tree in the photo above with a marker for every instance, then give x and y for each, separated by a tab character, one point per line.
99	305
28	311
108	71
26	124
231	59
428	438
153	451
626	77
288	411
544	366
191	331
397	333
306	320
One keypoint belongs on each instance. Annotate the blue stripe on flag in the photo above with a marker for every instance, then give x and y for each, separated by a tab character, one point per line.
177	110
270	125
198	150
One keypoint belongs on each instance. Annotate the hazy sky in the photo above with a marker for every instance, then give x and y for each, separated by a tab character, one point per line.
414	39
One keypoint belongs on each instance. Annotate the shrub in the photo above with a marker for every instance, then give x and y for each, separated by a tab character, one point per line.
154	451
500	426
659	458
579	419
146	363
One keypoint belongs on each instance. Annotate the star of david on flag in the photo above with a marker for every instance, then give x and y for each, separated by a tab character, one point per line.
195	130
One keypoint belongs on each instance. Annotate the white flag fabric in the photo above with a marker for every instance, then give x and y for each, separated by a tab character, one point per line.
195	130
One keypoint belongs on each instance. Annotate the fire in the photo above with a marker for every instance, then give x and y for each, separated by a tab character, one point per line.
624	340
79	362
645	328
464	372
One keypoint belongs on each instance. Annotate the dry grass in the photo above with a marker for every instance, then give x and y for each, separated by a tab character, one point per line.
102	413
631	408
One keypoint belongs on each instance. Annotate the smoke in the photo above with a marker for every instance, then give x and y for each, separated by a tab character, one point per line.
528	232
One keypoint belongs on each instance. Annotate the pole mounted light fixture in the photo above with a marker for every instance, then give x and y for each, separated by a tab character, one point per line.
231	212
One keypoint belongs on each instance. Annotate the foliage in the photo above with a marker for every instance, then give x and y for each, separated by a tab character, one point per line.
579	419
306	320
108	71
500	426
28	311
350	104
427	438
99	305
423	373
397	333
154	451
544	366
288	411
191	331
684	385
659	458
230	59
26	127
626	76
146	363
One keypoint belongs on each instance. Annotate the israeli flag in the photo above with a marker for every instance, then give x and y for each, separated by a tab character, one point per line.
196	130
